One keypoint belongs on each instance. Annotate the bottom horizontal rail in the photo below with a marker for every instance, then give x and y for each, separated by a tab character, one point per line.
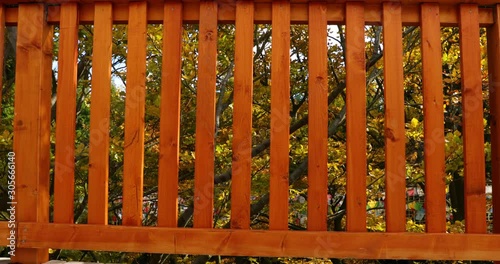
229	242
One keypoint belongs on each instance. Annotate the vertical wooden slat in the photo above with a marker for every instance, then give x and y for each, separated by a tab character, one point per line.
205	116
395	194
100	114
64	169
435	189
242	120
472	120
356	117
494	83
2	49
318	124
280	115
170	115
32	104
133	166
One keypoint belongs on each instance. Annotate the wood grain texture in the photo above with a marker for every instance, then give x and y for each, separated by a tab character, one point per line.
32	105
395	159
356	117
472	121
280	116
367	245
168	171
242	117
64	165
2	49
298	14
99	116
494	89
205	117
375	2
133	163
318	126
434	151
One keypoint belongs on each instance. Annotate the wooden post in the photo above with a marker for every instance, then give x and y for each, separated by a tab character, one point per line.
205	117
356	117
2	49
242	121
280	116
472	120
64	171
99	115
435	189
32	122
133	167
318	125
168	171
494	72
395	159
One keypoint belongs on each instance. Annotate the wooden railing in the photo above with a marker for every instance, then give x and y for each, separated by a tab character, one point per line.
35	234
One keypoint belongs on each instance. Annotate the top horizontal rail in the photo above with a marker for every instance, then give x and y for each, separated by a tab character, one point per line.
480	2
262	14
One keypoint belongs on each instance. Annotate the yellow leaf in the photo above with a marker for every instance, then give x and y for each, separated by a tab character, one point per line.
414	122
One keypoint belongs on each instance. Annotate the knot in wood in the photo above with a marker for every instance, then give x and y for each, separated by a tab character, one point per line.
208	35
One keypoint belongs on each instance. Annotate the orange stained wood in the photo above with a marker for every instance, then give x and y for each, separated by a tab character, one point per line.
205	117
99	115
318	125
472	120
170	115
263	13
231	2
64	165
32	104
395	184
435	188
494	82
356	117
133	165
5	232
365	245
242	119
280	116
298	14
2	49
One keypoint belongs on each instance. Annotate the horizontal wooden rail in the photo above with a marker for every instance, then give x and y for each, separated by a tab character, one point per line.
264	243
227	13
232	2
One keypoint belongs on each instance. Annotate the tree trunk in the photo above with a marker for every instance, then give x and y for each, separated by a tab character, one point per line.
457	197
